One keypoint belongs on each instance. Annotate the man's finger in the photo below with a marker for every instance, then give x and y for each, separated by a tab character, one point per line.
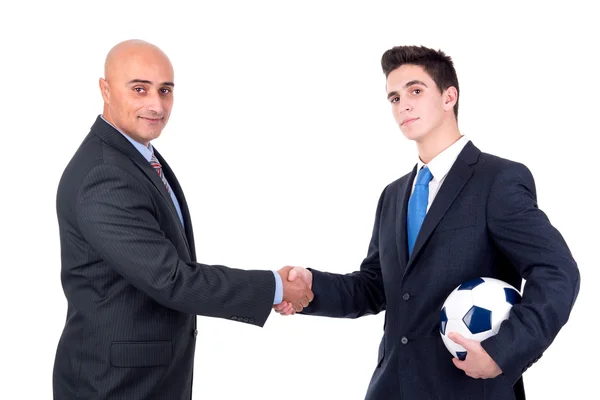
292	275
460	339
297	307
462	365
287	310
459	364
304	301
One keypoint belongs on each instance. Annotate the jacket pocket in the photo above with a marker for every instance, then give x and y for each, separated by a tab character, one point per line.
140	354
455	222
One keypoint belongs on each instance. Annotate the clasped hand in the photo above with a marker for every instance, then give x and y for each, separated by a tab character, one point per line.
297	293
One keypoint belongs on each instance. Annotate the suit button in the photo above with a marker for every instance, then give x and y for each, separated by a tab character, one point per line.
195	332
234	318
245	320
251	320
404	340
406	296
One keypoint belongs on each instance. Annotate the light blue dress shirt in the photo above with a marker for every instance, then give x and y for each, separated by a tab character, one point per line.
147	153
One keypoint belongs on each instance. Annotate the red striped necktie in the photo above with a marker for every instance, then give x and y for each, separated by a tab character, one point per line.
156	165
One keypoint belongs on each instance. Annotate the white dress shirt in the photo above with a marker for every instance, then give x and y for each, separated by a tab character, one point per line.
440	166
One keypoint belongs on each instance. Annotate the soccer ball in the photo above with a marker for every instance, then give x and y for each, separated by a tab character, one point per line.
475	309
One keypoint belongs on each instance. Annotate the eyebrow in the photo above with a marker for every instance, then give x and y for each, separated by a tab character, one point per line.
410	83
149	82
414	82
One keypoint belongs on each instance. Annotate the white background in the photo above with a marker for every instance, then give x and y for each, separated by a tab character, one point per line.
283	140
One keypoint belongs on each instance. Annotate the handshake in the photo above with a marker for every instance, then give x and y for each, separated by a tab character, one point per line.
297	293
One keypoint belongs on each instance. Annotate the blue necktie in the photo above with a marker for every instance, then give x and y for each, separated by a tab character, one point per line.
417	207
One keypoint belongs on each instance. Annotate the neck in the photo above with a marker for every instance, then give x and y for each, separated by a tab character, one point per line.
107	117
437	141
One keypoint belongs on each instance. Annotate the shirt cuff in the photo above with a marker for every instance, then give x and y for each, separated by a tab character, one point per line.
278	288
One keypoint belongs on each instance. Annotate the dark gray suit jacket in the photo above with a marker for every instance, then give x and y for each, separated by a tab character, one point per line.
131	279
484	221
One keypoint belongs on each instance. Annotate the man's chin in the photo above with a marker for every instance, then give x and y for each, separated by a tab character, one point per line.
153	135
151	132
412	135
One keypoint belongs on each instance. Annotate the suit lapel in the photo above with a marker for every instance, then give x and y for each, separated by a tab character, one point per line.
457	177
176	187
113	138
404	191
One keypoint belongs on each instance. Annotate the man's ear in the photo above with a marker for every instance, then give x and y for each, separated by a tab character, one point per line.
105	90
450	98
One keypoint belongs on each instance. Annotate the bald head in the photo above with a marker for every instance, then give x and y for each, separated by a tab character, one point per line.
125	51
137	89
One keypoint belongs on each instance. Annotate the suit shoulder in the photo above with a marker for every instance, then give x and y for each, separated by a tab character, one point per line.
91	153
498	174
494	160
494	165
398	182
390	192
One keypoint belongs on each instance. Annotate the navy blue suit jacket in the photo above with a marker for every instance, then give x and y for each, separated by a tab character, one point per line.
484	221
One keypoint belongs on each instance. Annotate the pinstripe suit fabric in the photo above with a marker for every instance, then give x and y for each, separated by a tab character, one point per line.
131	280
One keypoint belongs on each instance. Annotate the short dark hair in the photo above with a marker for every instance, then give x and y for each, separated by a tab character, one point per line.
436	63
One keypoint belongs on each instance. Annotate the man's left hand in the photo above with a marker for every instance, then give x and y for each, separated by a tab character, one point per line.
478	364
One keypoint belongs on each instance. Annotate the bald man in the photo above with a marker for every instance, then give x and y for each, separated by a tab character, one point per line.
129	269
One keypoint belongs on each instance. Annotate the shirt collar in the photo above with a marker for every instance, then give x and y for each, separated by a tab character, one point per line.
441	164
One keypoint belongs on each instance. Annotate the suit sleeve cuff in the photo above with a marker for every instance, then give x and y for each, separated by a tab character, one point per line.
498	352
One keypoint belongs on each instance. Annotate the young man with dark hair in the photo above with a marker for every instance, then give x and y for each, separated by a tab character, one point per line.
459	214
